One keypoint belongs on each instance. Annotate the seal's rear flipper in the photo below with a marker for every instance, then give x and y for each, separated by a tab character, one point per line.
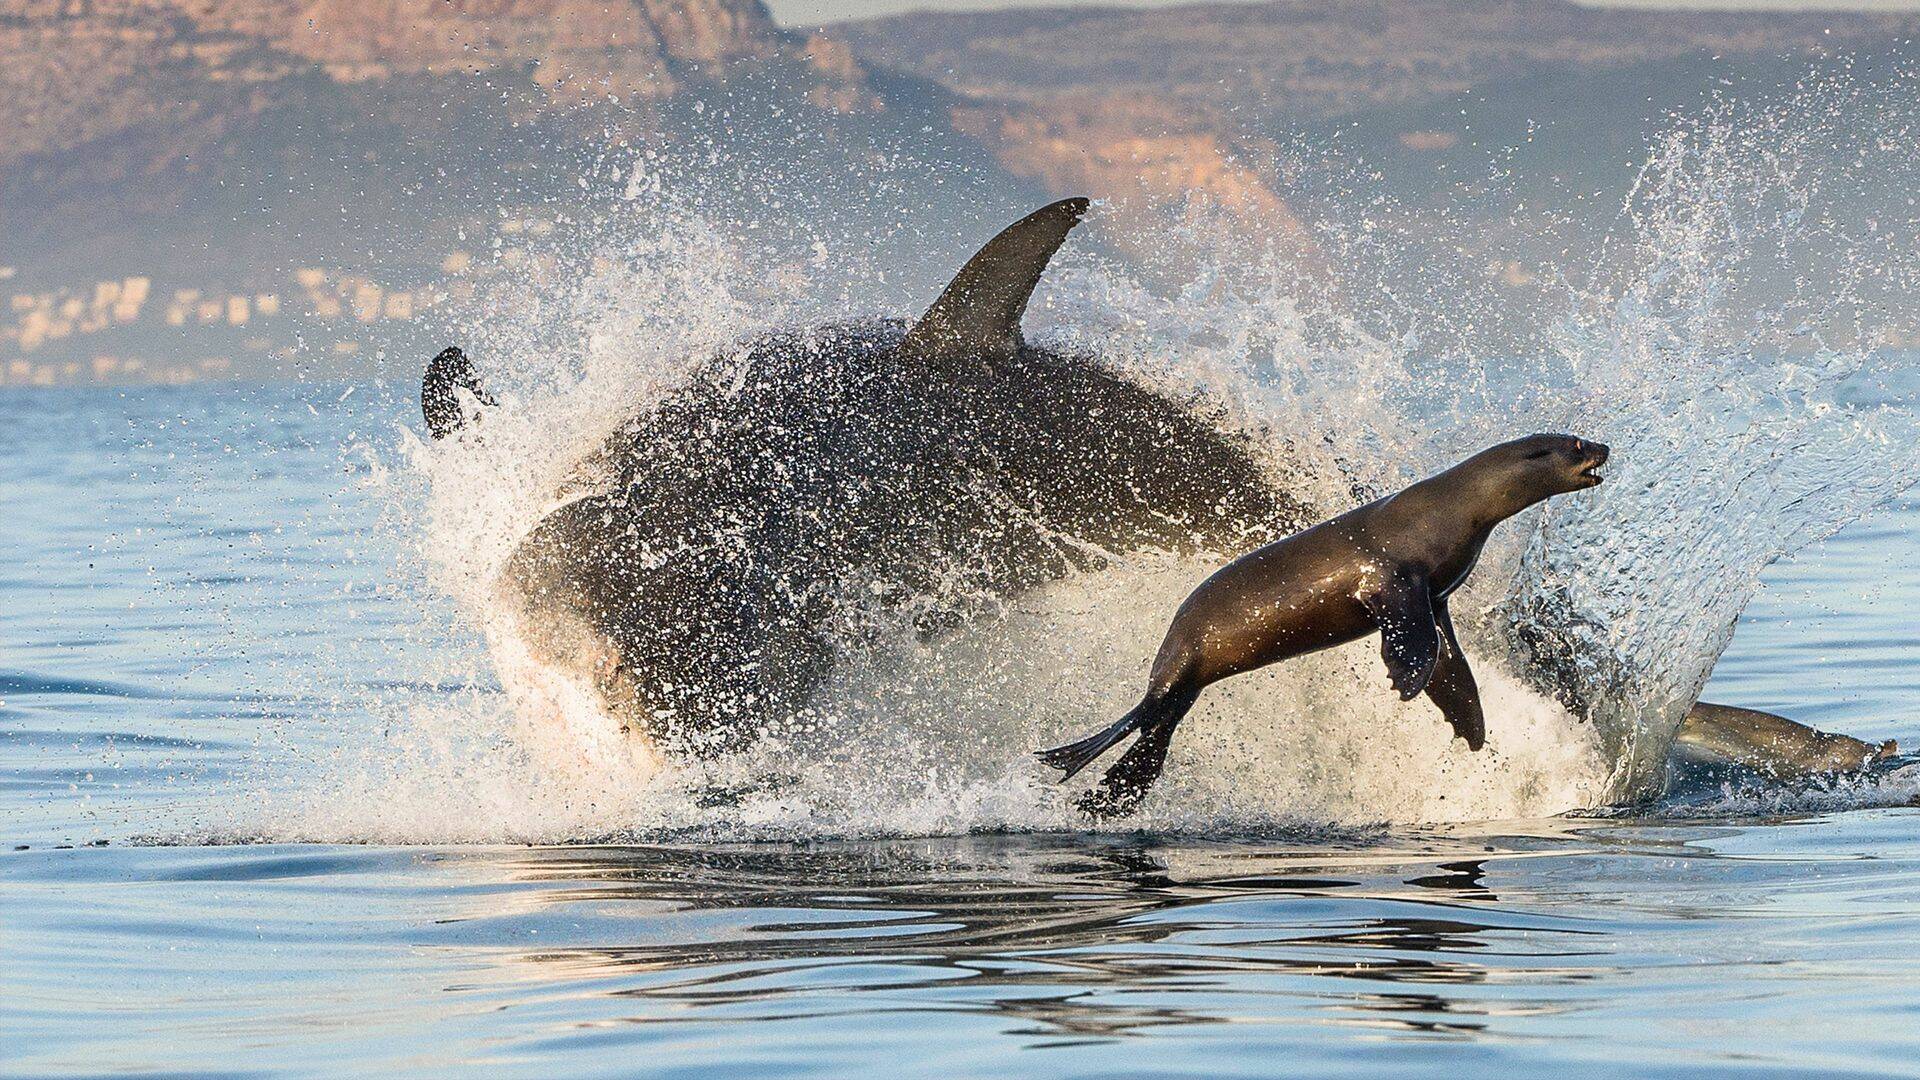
1074	756
451	394
1124	788
1120	791
1126	785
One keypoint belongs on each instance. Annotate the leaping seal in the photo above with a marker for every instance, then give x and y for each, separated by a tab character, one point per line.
1388	566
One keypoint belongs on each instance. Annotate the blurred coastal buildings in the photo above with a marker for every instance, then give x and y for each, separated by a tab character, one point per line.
142	328
127	330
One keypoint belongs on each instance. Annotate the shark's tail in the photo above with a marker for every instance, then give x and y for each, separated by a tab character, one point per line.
451	394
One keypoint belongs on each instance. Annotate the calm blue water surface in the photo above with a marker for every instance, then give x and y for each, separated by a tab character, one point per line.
197	579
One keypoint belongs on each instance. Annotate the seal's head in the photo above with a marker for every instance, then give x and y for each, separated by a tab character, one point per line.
1557	463
1525	471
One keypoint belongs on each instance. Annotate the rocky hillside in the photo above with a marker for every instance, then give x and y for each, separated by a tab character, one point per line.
1160	104
253	169
1233	66
123	113
198	186
1501	134
82	70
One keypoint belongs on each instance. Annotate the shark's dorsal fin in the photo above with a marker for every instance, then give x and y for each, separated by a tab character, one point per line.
979	313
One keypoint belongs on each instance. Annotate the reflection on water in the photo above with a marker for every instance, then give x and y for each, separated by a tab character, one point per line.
1049	932
1571	942
1059	938
1041	921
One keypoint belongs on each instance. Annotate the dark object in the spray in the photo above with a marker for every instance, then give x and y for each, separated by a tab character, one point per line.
451	394
762	523
1773	746
1388	566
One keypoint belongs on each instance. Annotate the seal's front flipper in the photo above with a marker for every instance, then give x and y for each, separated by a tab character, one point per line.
451	394
1453	688
979	312
1402	606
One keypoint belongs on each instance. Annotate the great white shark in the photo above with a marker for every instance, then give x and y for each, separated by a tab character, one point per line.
752	521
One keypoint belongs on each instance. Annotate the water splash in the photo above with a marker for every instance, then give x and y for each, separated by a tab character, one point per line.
1727	342
1723	341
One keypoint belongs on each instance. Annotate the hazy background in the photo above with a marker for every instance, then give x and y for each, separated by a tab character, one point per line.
275	188
811	12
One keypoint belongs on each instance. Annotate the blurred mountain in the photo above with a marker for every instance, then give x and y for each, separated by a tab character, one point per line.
1505	133
1234	66
219	181
1208	78
197	187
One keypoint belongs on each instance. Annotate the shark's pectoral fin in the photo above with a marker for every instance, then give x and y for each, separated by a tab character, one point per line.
979	313
1772	745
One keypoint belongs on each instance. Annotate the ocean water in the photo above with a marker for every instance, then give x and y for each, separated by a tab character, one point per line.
281	794
220	638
